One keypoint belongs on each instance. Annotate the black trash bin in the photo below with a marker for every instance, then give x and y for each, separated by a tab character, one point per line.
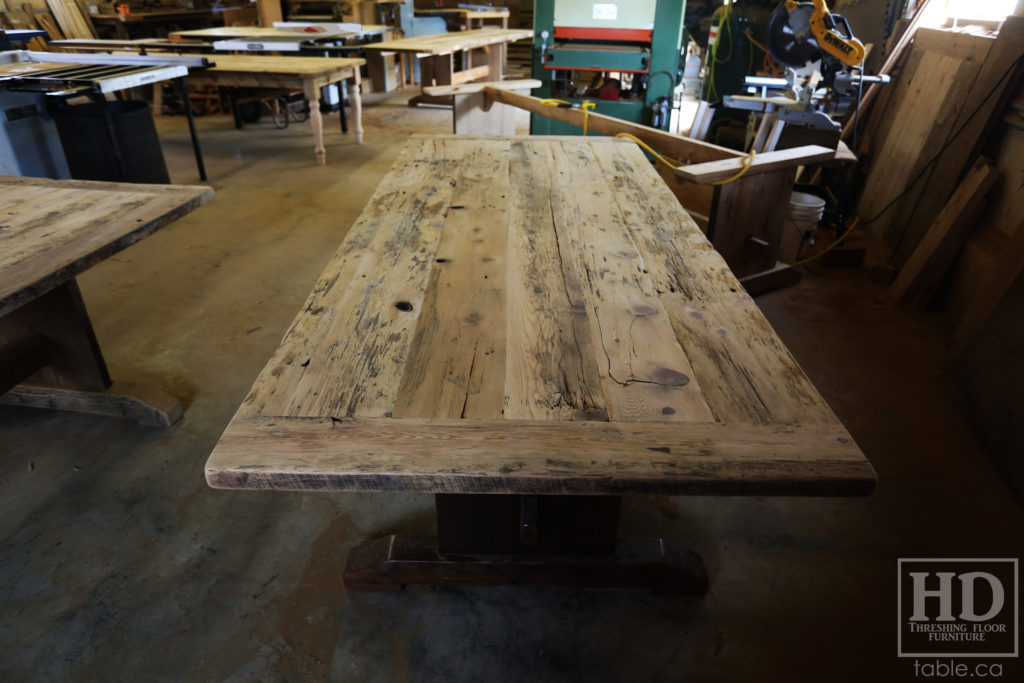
85	137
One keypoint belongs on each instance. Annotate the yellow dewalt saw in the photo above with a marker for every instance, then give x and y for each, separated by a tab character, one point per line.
800	33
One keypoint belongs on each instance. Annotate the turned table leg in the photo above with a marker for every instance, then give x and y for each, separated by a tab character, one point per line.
357	106
316	119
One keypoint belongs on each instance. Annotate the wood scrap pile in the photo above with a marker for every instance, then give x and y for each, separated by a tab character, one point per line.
943	218
73	19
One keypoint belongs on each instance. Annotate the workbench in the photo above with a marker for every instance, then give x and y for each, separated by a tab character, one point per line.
307	74
531	328
468	19
50	232
123	23
452	58
274	37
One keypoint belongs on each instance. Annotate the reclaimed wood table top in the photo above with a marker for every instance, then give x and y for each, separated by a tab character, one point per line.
52	230
301	67
445	43
533	316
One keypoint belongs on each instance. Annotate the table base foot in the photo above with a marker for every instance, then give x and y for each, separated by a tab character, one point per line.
437	100
782	275
391	562
138	402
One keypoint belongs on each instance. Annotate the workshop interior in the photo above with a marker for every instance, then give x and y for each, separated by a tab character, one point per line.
516	340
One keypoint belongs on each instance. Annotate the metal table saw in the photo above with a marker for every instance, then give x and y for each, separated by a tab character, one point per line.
33	84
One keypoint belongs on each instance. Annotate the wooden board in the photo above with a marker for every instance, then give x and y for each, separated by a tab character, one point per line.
302	67
447	43
255	32
955	84
766	162
73	23
919	278
497	13
532	315
51	230
675	146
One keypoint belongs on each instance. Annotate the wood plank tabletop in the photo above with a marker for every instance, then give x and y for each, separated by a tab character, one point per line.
303	67
444	43
533	315
496	13
262	33
52	230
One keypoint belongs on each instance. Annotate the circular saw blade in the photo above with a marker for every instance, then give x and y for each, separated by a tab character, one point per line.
789	39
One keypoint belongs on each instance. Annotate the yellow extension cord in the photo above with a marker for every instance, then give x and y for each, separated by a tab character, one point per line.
828	248
746	164
586	107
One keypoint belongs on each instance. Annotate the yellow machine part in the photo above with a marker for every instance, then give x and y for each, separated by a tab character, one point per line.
849	51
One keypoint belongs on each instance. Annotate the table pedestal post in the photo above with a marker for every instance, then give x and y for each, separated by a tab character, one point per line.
528	540
51	359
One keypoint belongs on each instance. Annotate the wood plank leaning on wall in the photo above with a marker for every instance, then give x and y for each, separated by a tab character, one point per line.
958	84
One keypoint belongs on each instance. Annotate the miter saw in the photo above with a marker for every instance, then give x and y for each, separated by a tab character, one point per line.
823	75
802	33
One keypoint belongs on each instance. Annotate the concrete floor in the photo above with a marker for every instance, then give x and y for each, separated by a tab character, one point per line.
118	563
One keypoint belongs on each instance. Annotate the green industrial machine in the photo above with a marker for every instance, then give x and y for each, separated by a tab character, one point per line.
625	58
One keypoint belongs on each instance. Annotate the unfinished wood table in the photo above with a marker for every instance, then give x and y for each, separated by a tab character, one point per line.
50	231
468	19
122	22
307	74
531	328
452	58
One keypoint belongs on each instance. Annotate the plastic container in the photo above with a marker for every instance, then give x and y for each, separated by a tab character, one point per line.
805	212
87	148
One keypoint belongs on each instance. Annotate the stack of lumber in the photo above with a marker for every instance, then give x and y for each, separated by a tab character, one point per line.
73	19
44	21
929	127
992	257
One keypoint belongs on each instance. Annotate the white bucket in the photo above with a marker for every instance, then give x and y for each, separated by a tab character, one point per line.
805	211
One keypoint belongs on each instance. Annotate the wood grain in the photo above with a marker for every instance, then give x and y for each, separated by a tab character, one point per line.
537	457
924	270
676	146
51	230
766	162
447	43
532	315
283	66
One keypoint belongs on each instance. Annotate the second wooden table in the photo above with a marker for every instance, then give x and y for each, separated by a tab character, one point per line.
481	51
308	74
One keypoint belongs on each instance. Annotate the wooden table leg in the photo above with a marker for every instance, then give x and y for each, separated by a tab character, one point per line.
68	372
495	63
435	70
503	540
357	106
316	119
503	48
